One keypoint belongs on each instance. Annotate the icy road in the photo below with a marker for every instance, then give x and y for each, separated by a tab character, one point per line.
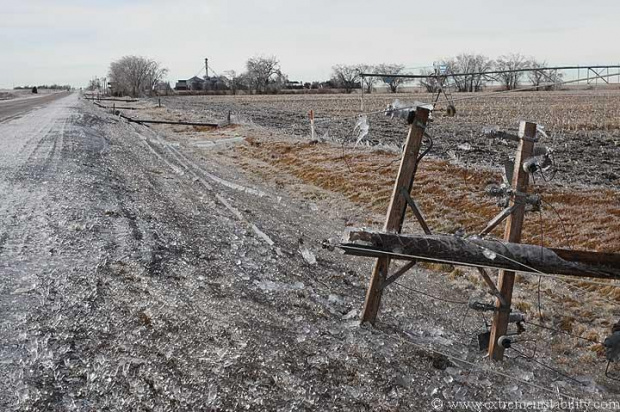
138	273
132	278
15	107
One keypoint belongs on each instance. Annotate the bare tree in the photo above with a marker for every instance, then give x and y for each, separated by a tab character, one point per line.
135	75
346	77
234	81
392	82
471	65
368	82
512	62
431	82
263	72
540	75
93	84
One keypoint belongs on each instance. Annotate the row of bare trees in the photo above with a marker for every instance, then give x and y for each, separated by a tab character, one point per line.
349	77
474	72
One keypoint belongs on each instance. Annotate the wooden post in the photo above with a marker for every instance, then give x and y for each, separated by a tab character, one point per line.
514	226
312	131
396	210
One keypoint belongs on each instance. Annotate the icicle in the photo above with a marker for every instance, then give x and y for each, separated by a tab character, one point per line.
361	128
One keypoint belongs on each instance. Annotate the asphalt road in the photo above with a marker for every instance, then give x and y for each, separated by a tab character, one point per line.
12	108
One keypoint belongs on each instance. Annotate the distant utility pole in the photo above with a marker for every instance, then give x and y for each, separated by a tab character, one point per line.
206	68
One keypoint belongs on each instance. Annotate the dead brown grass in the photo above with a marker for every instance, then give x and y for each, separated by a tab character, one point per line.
450	196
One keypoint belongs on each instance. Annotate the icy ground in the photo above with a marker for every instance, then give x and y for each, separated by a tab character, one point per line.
137	276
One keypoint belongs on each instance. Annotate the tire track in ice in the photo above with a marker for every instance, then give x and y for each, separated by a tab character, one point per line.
196	171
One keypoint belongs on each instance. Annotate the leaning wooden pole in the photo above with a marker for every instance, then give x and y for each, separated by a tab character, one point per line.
514	227
396	210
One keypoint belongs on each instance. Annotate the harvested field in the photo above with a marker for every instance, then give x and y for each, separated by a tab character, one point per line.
584	126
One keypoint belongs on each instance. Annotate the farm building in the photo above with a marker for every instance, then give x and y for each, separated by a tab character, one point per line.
181	85
196	83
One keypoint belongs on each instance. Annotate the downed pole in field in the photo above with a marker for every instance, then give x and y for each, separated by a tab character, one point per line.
142	121
110	99
114	107
486	253
120	107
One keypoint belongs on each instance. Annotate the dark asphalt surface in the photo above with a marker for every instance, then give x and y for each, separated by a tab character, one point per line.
10	109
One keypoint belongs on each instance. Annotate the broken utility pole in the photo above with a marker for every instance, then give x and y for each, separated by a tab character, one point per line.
397	208
509	256
476	252
514	227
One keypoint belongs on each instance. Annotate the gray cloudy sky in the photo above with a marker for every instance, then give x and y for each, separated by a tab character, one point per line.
71	41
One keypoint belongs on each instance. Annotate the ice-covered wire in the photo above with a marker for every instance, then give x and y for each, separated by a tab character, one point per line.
567	240
344	158
476	366
428	148
542	245
533	359
538	325
561	222
456	302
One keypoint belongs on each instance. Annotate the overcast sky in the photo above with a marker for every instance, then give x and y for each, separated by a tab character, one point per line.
71	41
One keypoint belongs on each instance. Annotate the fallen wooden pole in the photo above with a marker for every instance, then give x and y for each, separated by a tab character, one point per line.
114	107
110	99
168	122
483	253
122	107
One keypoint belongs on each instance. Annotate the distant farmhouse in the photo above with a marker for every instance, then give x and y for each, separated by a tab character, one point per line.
198	83
293	85
195	83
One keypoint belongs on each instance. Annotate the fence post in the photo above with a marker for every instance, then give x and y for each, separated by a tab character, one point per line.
396	210
514	227
312	130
